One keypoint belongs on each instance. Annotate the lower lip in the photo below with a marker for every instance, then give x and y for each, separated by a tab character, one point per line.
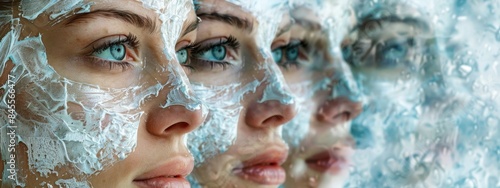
331	165
263	174
162	182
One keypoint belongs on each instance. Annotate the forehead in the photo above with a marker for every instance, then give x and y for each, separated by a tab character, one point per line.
388	28
224	7
305	13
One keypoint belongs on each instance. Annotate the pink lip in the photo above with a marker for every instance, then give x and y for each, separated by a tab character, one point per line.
332	161
265	168
171	174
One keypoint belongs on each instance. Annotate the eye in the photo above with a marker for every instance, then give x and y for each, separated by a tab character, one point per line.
292	53
391	54
182	56
213	55
114	52
278	54
346	53
216	53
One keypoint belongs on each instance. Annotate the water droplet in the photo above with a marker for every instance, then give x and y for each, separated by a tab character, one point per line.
464	70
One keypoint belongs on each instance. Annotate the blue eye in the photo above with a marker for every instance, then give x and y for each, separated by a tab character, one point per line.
346	52
277	55
392	54
182	56
292	53
115	52
216	53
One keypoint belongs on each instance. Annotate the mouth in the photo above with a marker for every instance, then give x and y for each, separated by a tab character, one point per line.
330	161
264	169
171	174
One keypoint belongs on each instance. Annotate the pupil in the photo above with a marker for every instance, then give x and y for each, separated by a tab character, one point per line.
118	52
292	53
219	52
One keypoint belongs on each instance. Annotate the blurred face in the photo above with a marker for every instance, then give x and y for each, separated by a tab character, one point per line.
319	136
388	51
394	60
97	91
232	69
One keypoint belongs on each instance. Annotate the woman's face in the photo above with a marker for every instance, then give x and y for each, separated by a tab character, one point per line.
409	115
387	51
100	96
319	136
231	68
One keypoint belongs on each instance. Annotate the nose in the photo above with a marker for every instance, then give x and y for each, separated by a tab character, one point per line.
270	113
173	120
338	110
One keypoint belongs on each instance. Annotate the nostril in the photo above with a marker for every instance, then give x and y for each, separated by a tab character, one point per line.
274	120
338	110
342	117
269	114
178	127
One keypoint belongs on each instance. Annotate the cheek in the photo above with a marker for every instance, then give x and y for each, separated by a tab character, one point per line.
219	130
55	121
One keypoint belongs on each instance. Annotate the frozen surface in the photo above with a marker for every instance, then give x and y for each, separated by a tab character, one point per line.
440	130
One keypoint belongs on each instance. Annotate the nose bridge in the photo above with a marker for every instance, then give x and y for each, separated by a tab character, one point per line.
274	84
273	104
344	83
177	109
175	86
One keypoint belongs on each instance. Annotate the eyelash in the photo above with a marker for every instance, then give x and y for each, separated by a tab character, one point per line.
287	64
196	50
130	41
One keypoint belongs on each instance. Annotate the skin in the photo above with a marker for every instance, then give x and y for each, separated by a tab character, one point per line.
328	118
258	123
160	129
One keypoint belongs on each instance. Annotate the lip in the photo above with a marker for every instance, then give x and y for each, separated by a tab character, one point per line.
265	168
170	174
331	161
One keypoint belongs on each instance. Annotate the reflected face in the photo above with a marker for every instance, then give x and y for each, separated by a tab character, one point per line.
394	59
232	69
100	90
319	136
385	48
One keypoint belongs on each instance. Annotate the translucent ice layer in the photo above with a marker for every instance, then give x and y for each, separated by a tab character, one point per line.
430	118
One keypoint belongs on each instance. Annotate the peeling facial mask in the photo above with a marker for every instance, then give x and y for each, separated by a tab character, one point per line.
225	101
249	81
74	128
339	84
219	130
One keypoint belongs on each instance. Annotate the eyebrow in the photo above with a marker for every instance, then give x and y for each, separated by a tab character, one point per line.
240	23
285	28
309	25
127	16
191	27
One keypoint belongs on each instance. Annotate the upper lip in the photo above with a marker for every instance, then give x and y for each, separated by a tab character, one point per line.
177	167
273	156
